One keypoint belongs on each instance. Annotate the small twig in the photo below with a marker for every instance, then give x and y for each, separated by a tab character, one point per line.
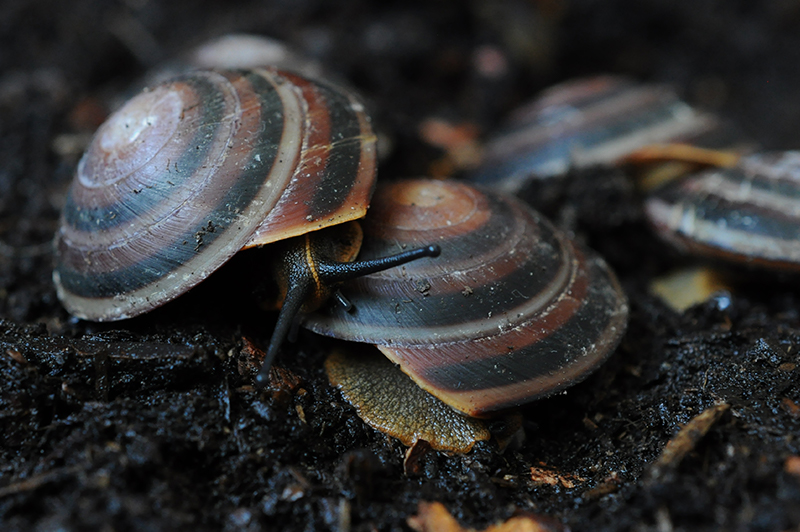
687	439
37	481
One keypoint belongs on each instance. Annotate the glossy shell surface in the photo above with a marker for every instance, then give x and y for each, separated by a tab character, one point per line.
749	213
587	122
190	172
511	311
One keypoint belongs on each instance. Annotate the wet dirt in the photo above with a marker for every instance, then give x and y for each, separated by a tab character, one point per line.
153	423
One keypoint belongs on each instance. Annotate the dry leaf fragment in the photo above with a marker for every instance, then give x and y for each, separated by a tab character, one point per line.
434	517
459	141
542	474
681	289
282	382
16	356
412	463
792	466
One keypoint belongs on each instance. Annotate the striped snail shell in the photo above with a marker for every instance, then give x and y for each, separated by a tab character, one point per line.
513	310
587	122
746	213
188	173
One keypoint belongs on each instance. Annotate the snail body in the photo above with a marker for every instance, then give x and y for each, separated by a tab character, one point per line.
512	311
745	213
190	172
587	122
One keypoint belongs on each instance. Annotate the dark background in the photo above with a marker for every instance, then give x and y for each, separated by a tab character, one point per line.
149	425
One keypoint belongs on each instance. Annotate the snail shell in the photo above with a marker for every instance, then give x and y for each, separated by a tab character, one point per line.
234	51
188	173
586	122
242	50
747	213
512	310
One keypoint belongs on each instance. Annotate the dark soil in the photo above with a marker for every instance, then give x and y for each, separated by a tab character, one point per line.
150	424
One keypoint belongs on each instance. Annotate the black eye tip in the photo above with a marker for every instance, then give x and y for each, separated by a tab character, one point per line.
434	250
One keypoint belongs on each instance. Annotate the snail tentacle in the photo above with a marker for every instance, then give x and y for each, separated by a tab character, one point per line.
338	272
311	268
296	296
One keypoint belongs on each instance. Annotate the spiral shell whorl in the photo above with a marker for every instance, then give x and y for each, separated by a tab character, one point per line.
748	213
189	173
586	122
512	310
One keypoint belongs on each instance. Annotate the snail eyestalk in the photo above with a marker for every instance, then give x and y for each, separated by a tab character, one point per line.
309	279
337	272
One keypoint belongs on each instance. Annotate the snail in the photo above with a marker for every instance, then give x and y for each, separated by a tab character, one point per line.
745	213
512	311
190	172
233	51
592	121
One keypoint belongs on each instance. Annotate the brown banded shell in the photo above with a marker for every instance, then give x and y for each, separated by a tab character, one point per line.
190	172
513	310
587	122
747	213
